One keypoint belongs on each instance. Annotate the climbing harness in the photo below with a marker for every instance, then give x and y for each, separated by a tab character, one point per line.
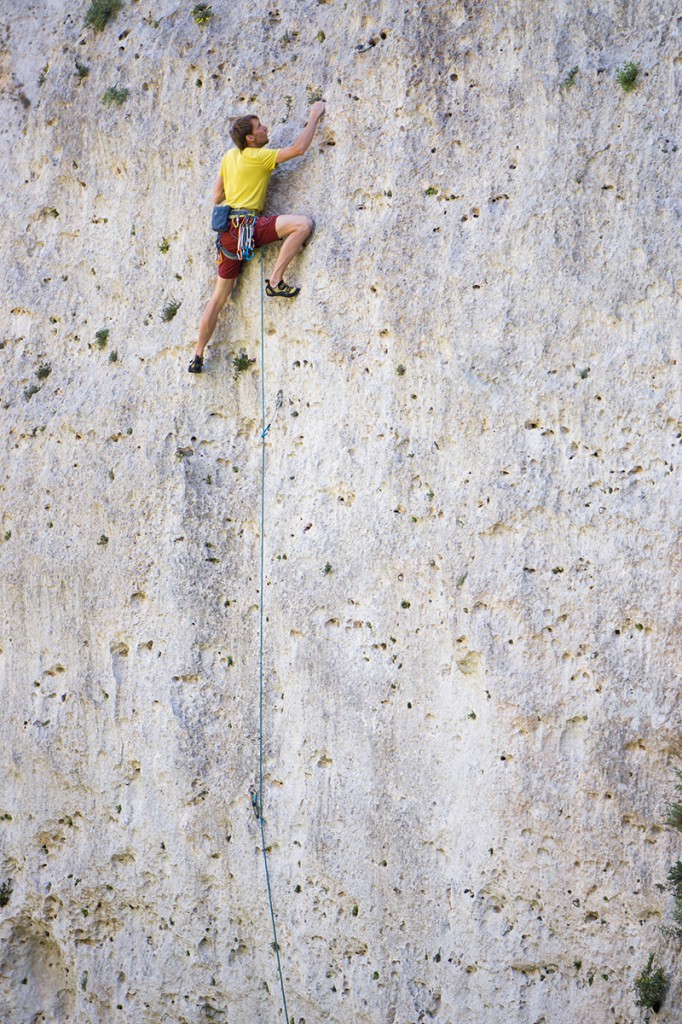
258	797
245	222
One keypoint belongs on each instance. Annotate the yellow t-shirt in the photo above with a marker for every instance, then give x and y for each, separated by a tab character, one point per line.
246	174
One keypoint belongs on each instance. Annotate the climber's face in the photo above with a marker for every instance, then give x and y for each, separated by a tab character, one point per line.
259	133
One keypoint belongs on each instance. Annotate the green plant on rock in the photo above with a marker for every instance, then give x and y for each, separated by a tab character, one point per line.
202	13
650	986
164	246
5	892
288	102
674	886
242	362
674	818
114	95
82	70
569	80
43	371
101	337
102	11
30	391
170	309
627	75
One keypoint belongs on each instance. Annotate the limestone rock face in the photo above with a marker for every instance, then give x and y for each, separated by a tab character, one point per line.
470	501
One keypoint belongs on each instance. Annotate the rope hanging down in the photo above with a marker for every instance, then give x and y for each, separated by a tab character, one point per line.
258	800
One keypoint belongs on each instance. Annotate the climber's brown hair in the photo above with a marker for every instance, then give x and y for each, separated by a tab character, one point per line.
242	127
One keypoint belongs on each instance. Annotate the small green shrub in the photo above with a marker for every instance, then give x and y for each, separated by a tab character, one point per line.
102	11
627	75
313	95
82	70
569	80
164	246
202	13
400	370
327	569
43	75
30	391
650	986
288	103
675	880
5	892
101	337
43	371
674	818
242	362
113	356
170	309
674	886
114	95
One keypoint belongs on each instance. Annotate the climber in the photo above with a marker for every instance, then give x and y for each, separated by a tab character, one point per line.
242	184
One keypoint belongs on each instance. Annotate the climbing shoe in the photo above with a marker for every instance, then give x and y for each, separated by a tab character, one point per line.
196	365
281	290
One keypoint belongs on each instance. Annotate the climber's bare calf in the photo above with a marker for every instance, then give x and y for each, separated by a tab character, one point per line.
293	229
221	294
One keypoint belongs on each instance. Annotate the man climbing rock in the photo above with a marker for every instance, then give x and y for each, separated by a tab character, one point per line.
242	185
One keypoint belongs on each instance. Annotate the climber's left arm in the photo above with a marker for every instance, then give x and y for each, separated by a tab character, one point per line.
218	191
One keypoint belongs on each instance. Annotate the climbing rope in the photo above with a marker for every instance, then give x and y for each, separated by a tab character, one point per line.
258	800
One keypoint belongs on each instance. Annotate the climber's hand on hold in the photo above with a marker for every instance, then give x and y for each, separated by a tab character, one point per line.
318	109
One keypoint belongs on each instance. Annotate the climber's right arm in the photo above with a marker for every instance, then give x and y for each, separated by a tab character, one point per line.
302	143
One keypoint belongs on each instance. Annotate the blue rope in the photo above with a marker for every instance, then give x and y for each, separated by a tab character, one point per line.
259	805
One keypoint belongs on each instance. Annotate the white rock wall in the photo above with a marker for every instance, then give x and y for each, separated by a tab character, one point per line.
469	720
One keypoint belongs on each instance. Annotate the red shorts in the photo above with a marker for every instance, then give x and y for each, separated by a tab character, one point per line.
263	234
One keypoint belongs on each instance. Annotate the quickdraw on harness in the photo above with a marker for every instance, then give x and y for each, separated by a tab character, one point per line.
244	221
